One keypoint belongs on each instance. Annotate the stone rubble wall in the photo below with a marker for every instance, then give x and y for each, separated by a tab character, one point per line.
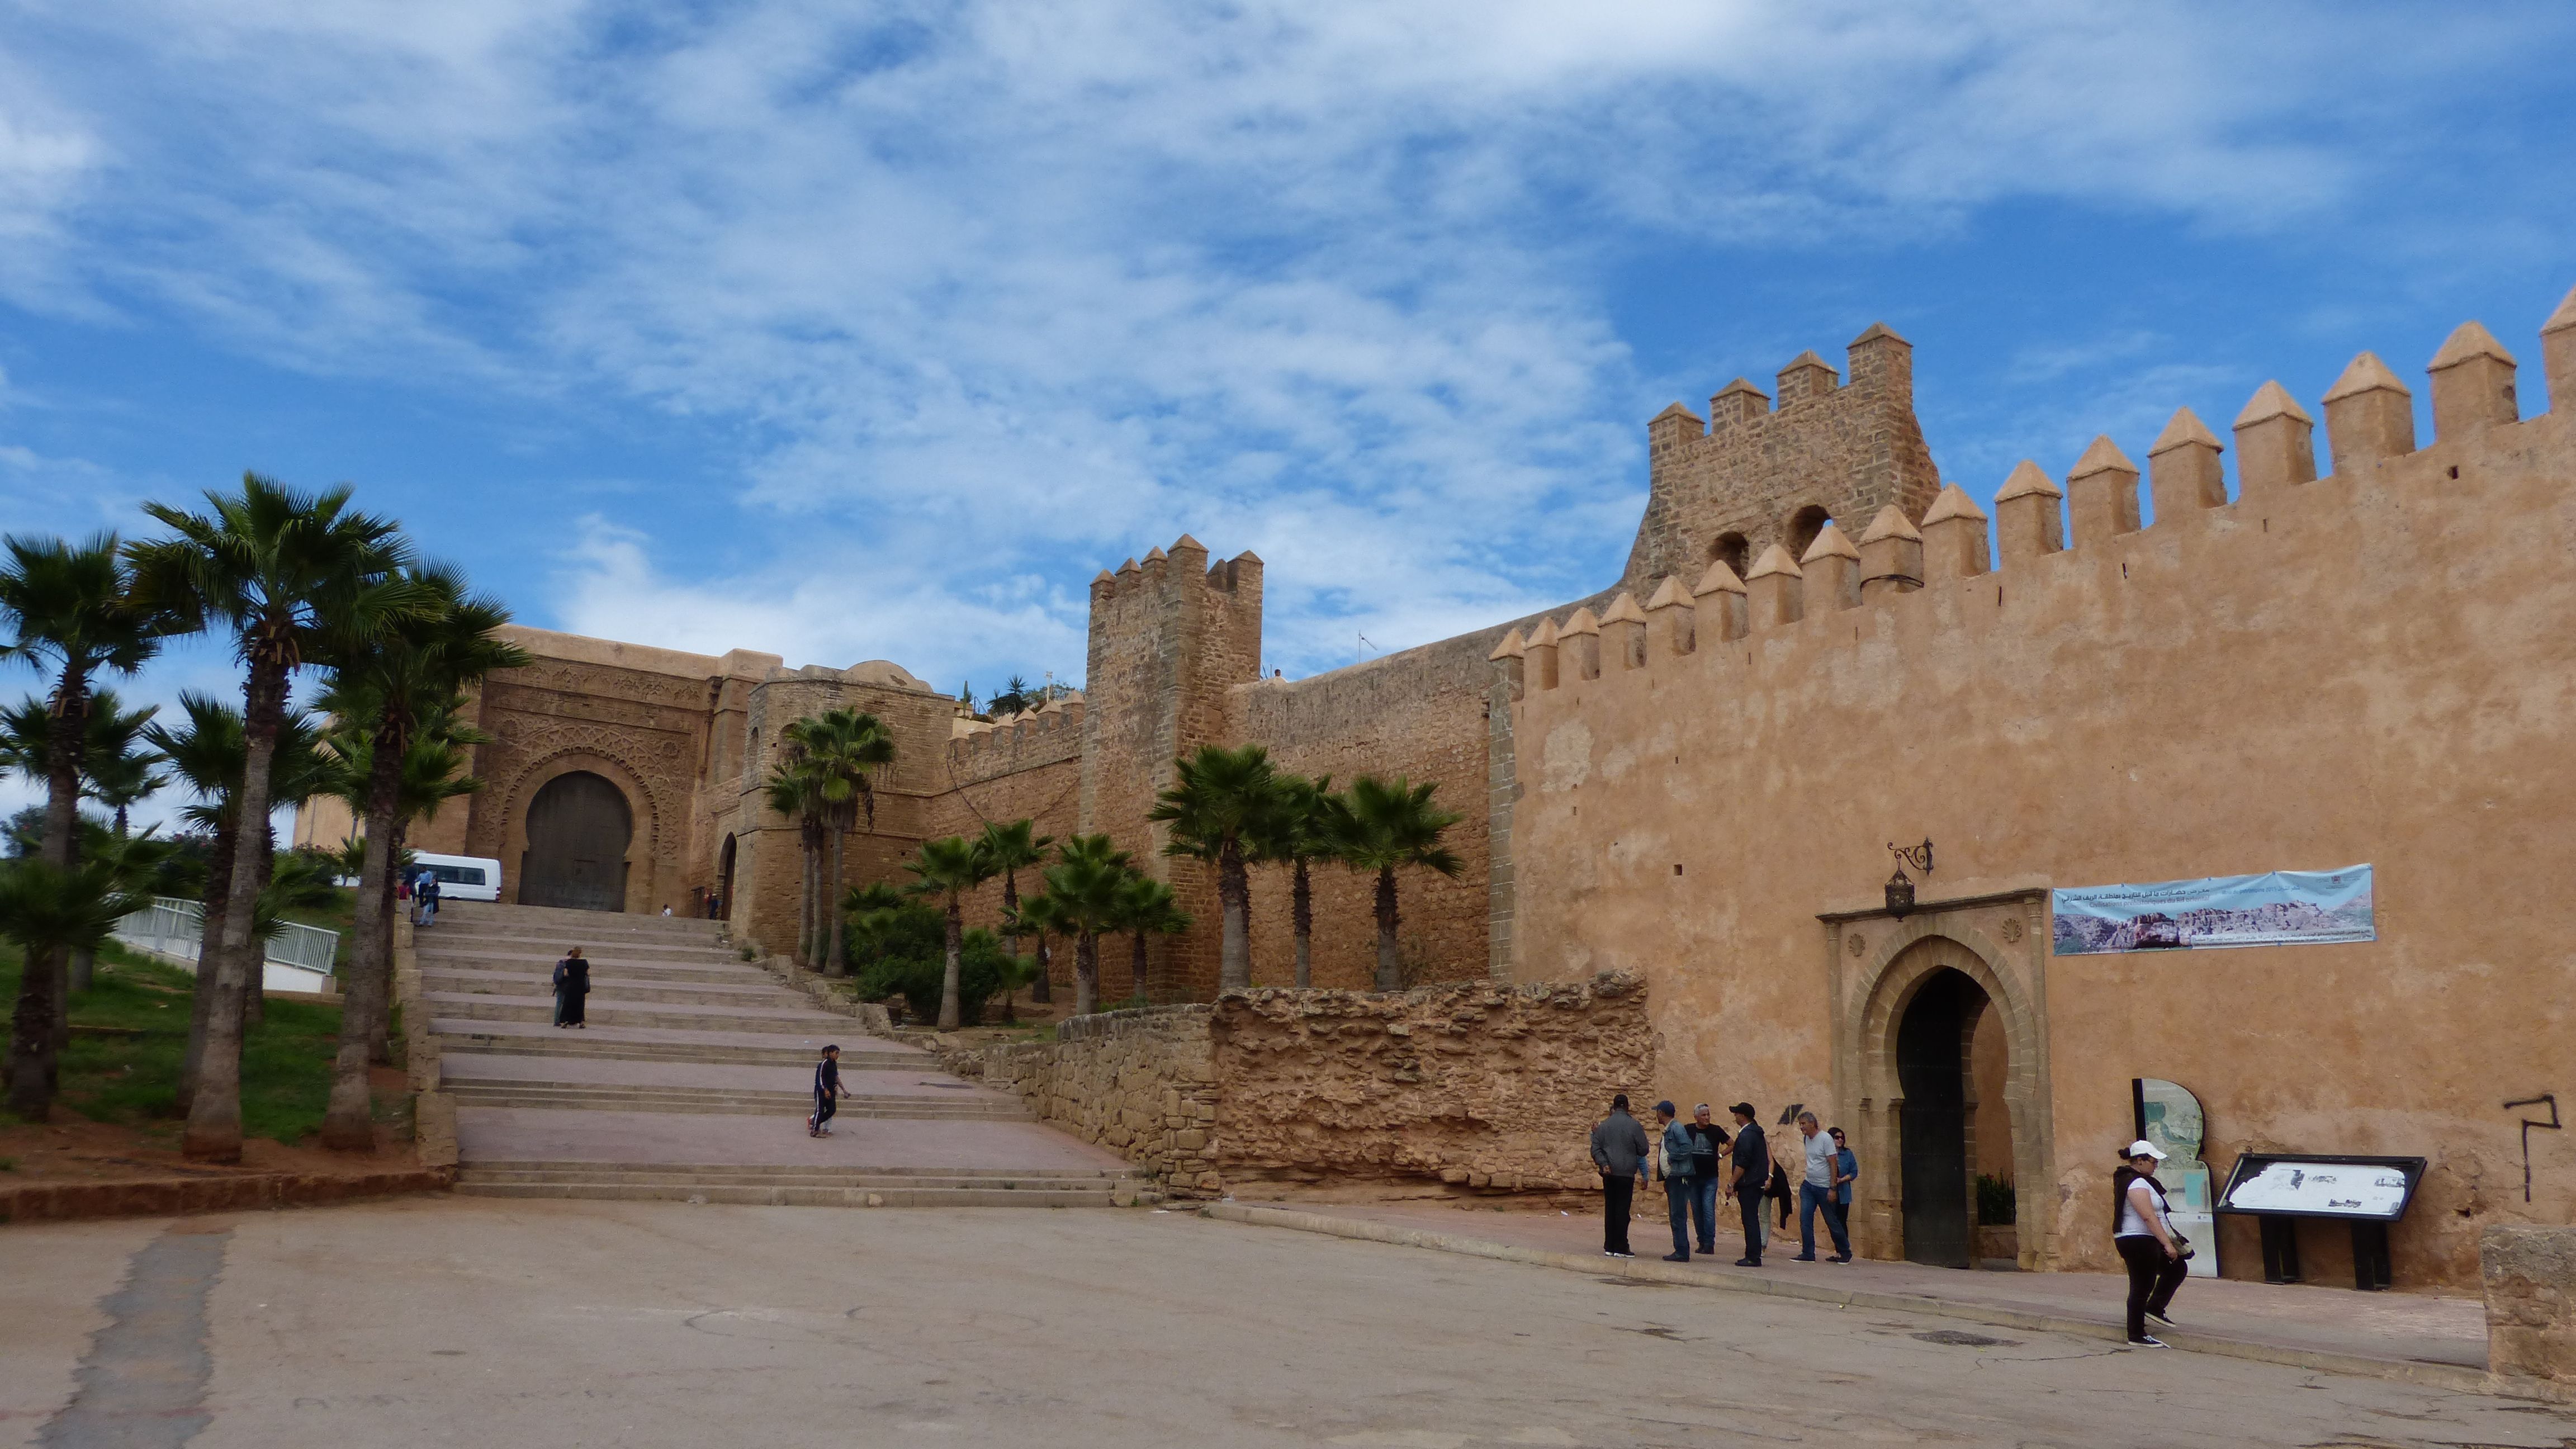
2530	1276
1141	1083
1472	1085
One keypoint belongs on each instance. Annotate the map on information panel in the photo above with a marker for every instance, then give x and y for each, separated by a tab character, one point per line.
2322	1187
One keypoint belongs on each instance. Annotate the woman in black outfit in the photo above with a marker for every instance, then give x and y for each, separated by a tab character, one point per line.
2142	1229
572	985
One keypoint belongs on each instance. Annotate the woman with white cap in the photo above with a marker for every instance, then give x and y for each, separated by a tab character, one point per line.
2142	1229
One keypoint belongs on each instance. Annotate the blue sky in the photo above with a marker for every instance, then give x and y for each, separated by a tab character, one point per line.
874	331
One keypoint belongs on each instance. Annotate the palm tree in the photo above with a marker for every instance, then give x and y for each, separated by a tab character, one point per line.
382	681
1225	801
793	790
1013	848
1147	907
287	573
950	867
1381	825
1301	834
116	769
1084	883
51	911
72	612
846	748
1042	916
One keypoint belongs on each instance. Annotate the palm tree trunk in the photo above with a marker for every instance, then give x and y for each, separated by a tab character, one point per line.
219	884
1086	972
1301	917
214	1130
31	1041
59	960
42	1025
350	1124
1390	972
1234	900
255	972
809	945
84	969
1140	964
1039	992
951	976
380	1047
832	965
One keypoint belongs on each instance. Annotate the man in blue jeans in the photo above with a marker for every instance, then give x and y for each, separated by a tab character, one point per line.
1816	1190
1678	1163
1708	1150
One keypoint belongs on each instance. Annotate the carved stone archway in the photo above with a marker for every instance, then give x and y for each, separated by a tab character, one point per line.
1879	966
642	850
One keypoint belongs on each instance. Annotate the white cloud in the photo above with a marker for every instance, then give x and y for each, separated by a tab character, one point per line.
994	295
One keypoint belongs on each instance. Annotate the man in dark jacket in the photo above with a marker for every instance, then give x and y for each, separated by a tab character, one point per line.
1619	1151
1751	1180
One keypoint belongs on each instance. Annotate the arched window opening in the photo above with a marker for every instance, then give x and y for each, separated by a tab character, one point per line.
1730	550
1804	525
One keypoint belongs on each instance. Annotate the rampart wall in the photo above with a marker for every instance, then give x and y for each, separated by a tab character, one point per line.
2373	666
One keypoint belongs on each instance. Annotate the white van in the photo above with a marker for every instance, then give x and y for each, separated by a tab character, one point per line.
461	877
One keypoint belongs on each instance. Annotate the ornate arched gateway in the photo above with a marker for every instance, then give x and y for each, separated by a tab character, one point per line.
1909	996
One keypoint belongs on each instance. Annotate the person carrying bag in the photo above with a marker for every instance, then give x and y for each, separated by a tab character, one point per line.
2142	1229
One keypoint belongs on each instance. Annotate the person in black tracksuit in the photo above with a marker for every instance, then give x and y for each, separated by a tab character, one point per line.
827	1092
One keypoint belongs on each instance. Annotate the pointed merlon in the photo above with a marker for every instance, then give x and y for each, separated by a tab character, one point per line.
1952	502
1544	636
1807	358
1583	622
1877	331
1185	541
1156	555
2104	456
2185	427
1774	560
1737	386
1829	543
2270	401
1512	647
1720	579
1668	594
2366	374
2025	478
1128	567
2472	339
2563	318
1623	610
1105	577
1677	410
1890	523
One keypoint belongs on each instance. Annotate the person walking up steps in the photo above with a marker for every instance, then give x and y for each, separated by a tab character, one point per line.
827	1093
572	990
1618	1149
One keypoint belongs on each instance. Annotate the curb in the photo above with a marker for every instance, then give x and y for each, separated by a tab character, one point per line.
2456	1377
169	1197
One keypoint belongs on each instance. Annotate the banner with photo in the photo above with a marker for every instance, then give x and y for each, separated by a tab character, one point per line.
2284	908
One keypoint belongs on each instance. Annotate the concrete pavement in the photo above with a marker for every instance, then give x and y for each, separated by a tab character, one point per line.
474	1321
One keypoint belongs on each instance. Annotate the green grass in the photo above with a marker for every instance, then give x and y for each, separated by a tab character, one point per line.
129	1072
341	916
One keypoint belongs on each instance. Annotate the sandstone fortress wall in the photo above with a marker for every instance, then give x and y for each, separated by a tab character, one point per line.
2362	653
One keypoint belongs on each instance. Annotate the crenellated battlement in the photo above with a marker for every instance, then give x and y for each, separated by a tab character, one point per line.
1695	609
980	750
1750	476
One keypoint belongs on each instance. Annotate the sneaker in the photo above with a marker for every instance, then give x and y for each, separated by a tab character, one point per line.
1802	1258
1622	1253
1677	1257
2158	1318
2150	1341
1748	1262
1839	1258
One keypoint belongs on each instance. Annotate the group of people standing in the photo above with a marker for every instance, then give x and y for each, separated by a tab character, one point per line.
1700	1163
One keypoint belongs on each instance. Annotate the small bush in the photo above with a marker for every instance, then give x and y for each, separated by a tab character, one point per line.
1995	1201
915	975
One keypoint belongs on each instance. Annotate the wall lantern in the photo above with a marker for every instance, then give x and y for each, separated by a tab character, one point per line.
1900	886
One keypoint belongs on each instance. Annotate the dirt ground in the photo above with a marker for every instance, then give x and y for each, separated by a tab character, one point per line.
72	1148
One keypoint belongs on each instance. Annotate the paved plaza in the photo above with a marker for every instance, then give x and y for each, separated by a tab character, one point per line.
496	1321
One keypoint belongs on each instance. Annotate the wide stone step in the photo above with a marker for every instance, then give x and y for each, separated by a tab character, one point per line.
569	1044
556	917
438	944
790	1016
723	1102
745	1195
766	995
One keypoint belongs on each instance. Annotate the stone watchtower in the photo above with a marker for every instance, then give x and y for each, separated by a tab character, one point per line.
1169	637
1749	477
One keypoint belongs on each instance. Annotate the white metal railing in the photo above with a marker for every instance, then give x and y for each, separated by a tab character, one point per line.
174	927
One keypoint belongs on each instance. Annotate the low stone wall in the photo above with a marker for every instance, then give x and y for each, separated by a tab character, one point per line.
2530	1276
1467	1087
1140	1083
1479	1085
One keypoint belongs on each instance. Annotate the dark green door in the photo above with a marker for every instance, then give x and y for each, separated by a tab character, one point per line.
578	831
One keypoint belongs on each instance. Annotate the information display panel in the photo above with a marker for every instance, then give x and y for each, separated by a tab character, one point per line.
2354	1189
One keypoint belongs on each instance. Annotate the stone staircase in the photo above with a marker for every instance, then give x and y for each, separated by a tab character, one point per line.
691	1081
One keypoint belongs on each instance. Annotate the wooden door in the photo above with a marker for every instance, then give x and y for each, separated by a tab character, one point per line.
578	832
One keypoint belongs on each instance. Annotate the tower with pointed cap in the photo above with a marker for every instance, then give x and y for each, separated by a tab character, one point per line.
1751	475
